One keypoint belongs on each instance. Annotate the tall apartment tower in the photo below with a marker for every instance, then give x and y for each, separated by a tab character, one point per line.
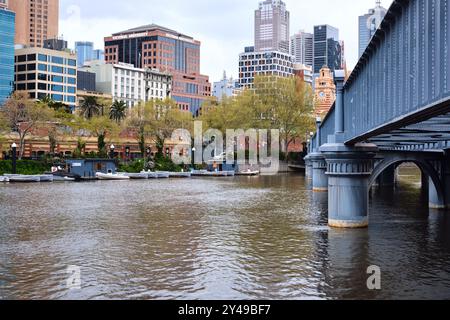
368	25
327	48
272	26
302	48
36	21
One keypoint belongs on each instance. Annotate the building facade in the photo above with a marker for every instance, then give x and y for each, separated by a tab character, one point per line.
99	54
36	21
302	48
304	72
368	25
327	48
227	87
47	73
124	82
324	92
85	52
156	47
266	63
86	81
7	25
272	21
55	44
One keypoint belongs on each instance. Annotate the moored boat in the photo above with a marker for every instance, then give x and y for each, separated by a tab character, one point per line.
46	178
4	179
136	176
111	176
180	174
248	173
22	178
163	174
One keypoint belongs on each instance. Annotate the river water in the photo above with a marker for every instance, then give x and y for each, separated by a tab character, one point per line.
225	238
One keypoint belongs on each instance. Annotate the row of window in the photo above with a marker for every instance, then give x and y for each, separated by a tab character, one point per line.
46	58
45	87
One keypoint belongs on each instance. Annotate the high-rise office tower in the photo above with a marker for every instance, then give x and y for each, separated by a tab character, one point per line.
85	52
7	23
272	26
327	48
36	21
368	25
153	46
302	47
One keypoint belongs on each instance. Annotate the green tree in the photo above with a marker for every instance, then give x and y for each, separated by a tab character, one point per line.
90	107
22	115
118	111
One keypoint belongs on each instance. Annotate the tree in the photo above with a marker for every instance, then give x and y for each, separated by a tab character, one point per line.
288	104
140	121
91	107
118	111
23	115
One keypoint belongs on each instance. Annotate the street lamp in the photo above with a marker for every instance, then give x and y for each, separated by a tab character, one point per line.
112	148
14	158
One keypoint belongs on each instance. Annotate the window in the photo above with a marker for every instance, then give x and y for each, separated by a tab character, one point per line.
57	88
57	60
72	62
72	71
57	79
42	67
42	86
71	90
71	80
42	57
56	69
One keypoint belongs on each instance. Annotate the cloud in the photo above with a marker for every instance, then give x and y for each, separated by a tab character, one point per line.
224	27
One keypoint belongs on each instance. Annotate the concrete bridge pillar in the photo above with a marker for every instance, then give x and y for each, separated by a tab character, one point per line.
319	169
349	170
435	202
308	167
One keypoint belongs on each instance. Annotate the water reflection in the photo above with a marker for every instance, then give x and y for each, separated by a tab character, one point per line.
238	238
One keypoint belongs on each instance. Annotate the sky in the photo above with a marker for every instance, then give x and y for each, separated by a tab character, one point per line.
224	27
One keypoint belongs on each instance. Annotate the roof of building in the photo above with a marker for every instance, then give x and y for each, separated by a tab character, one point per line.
152	27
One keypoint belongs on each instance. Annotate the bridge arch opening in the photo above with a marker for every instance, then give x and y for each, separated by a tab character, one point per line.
429	176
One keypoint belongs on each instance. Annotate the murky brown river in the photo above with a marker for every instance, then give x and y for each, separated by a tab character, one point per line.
230	238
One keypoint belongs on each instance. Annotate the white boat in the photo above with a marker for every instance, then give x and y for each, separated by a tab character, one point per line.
22	178
163	174
63	179
4	179
135	176
111	176
150	174
180	174
46	178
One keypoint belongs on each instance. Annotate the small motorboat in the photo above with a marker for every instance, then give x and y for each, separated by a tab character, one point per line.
4	179
136	176
150	174
111	176
63	179
180	174
22	178
163	174
60	176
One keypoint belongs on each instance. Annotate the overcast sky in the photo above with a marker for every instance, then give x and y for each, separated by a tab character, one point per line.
224	27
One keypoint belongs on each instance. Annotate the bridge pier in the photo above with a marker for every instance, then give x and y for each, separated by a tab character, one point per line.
349	169
435	202
319	169
308	167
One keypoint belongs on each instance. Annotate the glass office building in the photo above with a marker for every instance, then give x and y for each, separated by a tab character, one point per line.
327	48
85	52
47	73
7	29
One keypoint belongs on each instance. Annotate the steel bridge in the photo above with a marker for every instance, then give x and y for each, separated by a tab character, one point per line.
394	108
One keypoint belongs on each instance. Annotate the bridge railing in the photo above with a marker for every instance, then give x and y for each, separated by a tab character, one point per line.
404	70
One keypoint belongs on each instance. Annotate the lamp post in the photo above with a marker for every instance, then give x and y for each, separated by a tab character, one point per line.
193	157
14	158
111	149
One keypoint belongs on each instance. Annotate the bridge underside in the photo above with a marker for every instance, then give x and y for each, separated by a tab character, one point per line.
427	129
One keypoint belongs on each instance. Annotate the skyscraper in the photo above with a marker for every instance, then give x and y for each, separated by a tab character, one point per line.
302	47
7	23
153	46
368	25
36	20
85	52
327	48
272	26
